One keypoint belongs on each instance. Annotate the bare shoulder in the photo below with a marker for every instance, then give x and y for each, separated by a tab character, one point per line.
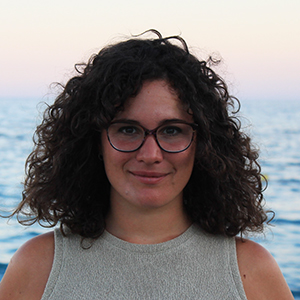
28	271
260	273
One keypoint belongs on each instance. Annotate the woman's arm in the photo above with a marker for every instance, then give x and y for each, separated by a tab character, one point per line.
28	271
260	273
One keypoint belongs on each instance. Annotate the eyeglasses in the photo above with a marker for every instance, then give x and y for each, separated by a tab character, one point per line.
171	137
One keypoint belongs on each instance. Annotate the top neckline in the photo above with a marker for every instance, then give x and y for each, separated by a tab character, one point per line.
150	248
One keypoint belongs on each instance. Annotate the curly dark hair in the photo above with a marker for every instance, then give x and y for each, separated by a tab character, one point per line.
65	179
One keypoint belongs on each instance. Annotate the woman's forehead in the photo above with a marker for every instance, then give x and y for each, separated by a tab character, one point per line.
156	100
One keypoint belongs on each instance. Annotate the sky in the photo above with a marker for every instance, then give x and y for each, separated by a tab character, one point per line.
258	40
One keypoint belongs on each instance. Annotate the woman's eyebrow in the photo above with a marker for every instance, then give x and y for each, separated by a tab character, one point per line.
173	120
124	120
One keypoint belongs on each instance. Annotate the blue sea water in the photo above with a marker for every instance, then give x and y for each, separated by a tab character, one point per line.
275	127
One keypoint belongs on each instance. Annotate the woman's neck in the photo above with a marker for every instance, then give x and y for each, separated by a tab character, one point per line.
147	226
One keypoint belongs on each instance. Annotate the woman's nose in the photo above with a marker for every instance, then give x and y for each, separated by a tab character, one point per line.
150	152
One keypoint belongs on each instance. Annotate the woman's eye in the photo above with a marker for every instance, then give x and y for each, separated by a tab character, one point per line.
128	130
171	130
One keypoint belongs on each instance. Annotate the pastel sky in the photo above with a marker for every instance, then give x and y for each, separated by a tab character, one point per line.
258	40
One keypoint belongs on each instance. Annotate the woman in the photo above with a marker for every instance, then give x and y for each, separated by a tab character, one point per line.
148	174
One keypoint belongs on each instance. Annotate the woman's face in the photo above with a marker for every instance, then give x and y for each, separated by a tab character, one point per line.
149	177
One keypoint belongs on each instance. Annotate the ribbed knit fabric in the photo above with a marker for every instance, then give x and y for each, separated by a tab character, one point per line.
194	265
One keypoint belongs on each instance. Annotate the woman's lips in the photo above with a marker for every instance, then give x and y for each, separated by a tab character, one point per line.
149	177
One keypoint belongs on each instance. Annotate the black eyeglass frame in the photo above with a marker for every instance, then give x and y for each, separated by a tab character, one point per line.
153	132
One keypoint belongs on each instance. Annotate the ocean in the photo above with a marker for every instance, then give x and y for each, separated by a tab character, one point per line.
274	126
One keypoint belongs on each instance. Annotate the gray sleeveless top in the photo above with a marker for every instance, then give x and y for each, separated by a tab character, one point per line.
194	265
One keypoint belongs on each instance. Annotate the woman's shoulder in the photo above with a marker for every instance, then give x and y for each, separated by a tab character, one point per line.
260	273
29	269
